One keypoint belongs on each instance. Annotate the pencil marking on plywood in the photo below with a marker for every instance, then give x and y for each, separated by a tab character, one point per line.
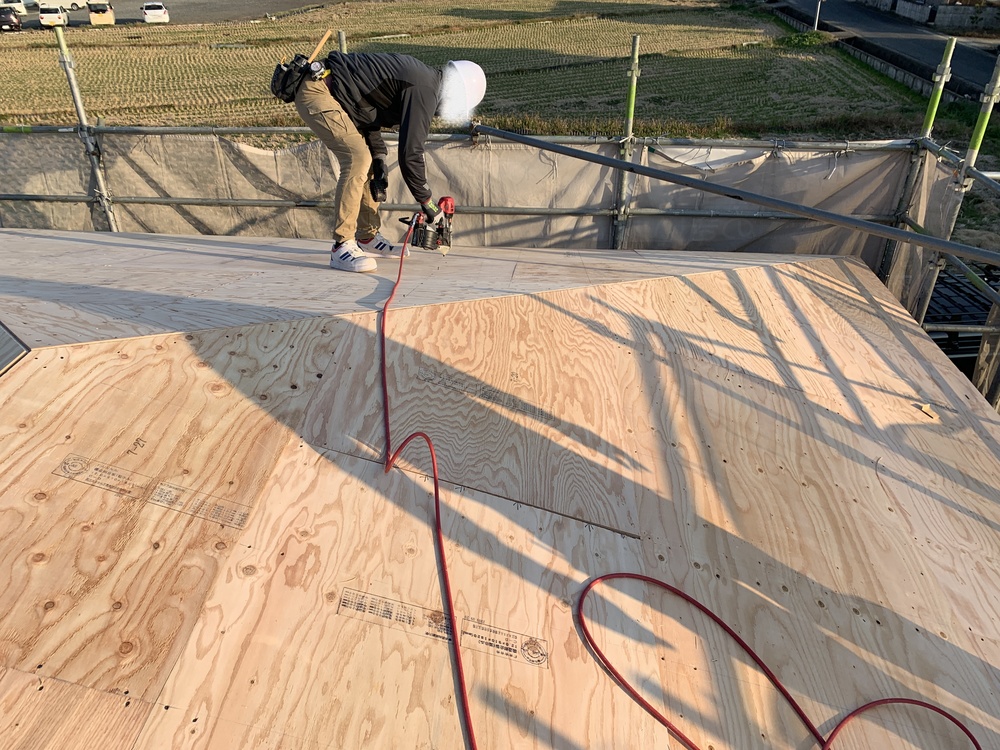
477	634
126	483
484	392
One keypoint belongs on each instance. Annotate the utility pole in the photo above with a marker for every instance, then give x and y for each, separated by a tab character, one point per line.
816	19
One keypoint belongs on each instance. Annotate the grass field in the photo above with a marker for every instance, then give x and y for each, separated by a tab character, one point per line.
709	68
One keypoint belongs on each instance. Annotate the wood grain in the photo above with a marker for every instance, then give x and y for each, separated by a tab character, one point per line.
778	439
512	390
128	465
281	658
38	713
73	287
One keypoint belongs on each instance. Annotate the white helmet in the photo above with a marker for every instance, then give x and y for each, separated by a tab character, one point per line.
463	85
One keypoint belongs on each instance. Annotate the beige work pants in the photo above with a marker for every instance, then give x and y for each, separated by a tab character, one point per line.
356	211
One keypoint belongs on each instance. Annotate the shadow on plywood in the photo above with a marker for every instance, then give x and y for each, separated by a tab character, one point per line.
198	530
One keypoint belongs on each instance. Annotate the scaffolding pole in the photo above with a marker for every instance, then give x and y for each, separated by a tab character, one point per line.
626	150
989	98
89	142
817	214
941	76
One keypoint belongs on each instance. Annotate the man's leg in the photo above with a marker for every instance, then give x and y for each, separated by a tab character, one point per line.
369	221
370	239
327	119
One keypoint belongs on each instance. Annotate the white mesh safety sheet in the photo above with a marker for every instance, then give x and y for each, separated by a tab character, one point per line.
537	198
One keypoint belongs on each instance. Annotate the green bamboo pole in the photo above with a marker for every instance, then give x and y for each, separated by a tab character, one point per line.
633	74
625	151
989	98
941	77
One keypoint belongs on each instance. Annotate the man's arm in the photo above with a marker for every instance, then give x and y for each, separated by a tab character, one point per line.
419	103
376	146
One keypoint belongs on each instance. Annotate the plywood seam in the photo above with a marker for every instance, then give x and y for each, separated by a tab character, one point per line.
42	678
479	490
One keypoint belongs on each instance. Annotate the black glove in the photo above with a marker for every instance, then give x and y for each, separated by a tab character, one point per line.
431	211
379	182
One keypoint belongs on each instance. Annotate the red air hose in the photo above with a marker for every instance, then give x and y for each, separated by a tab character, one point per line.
825	743
390	460
391	457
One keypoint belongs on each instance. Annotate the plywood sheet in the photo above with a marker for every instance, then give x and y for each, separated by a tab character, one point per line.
849	508
37	713
70	287
127	467
326	628
780	441
759	410
515	390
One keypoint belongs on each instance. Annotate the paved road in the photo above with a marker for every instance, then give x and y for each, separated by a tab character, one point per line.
181	11
973	60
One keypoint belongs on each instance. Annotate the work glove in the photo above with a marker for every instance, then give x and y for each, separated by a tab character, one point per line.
379	183
431	211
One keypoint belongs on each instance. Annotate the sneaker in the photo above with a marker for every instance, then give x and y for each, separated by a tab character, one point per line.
347	256
379	245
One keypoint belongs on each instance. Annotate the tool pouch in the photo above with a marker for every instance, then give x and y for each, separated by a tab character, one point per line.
287	78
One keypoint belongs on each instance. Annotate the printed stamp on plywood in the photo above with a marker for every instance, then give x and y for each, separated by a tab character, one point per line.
477	635
126	483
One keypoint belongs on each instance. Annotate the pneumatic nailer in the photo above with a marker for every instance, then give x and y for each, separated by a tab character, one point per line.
435	236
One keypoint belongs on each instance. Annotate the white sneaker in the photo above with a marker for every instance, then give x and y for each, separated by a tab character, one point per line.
347	256
379	245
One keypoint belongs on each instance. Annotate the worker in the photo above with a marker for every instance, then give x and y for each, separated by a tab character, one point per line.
346	100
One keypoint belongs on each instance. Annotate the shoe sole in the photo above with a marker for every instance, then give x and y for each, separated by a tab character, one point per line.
352	269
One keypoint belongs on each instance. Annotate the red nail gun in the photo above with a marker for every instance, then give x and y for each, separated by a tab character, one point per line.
436	237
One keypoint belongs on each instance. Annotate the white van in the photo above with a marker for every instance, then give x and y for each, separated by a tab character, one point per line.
52	15
101	13
17	7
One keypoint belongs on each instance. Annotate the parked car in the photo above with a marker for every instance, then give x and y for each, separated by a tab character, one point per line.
101	14
52	15
155	13
17	6
9	20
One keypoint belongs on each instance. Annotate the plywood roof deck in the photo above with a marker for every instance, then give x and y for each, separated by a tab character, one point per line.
199	547
67	287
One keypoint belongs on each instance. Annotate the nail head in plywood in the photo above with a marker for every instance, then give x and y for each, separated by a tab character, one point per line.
514	393
46	714
330	636
131	462
764	490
